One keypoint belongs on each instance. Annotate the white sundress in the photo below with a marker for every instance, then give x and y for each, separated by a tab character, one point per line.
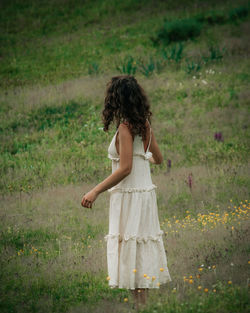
136	256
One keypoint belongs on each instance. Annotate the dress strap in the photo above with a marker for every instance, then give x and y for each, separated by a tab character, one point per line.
149	137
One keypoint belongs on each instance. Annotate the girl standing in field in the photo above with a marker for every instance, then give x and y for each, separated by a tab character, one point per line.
135	251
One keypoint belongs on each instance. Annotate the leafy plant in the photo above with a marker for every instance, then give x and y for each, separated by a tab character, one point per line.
147	69
173	53
215	53
192	66
128	66
93	68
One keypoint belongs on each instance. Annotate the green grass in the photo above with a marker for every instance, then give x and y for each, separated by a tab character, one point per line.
55	62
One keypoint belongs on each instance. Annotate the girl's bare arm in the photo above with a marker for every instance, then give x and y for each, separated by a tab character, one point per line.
126	161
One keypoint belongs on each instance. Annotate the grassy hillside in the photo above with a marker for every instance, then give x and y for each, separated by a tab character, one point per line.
56	58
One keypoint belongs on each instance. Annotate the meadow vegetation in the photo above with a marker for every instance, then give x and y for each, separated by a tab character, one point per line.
192	60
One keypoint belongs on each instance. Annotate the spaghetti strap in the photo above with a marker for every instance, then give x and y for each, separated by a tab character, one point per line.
149	137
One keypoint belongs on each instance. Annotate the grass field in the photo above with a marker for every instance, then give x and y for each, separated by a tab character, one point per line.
56	58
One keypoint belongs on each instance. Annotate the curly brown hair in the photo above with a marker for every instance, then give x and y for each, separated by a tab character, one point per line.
126	101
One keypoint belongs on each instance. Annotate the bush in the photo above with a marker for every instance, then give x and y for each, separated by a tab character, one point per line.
238	13
178	30
212	17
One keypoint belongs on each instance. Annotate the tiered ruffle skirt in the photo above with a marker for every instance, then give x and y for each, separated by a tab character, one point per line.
135	251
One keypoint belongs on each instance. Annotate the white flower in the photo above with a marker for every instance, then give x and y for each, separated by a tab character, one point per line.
204	82
194	77
232	264
202	265
195	84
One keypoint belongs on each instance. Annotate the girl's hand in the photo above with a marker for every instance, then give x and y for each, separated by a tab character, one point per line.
89	198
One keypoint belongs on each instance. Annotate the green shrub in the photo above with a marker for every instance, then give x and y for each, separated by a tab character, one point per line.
238	13
212	17
178	30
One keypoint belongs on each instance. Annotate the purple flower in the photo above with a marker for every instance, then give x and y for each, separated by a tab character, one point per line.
169	163
190	180
218	136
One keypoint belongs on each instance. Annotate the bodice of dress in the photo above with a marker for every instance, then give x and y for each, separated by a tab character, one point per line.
139	178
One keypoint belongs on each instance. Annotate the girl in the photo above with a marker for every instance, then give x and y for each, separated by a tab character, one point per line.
135	251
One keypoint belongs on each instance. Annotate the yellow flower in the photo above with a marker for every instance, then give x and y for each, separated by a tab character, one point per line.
190	276
213	266
158	284
108	278
200	269
229	282
145	275
231	200
153	277
125	299
214	290
139	290
199	287
134	270
206	290
148	277
191	281
161	269
198	275
248	262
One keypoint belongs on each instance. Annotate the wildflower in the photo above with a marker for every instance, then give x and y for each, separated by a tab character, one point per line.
214	290
229	282
204	82
232	264
108	278
231	200
198	276
200	269
134	270
153	278
213	266
190	276
248	262
205	289
145	275
191	281
161	269
199	287
125	299
158	284
194	77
